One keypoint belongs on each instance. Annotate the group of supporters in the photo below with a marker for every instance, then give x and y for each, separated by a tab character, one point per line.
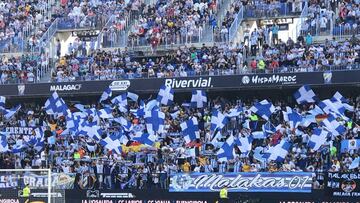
123	142
253	55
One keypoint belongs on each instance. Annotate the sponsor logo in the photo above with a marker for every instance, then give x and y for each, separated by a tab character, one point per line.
92	193
117	195
9	201
119	85
21	89
44	194
188	83
75	87
272	79
245	80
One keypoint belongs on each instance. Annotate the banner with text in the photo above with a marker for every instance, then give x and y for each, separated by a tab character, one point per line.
184	84
35	180
242	182
343	184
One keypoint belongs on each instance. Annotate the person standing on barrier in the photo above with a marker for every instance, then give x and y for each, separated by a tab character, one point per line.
224	195
26	193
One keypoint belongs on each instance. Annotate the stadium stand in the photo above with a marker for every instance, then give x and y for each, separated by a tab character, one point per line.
121	97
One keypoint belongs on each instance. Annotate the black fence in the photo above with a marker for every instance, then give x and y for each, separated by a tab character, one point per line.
184	84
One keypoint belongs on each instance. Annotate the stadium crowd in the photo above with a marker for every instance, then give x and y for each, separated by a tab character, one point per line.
22	69
257	54
135	163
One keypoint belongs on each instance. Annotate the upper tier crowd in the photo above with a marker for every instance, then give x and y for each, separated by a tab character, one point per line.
255	55
139	165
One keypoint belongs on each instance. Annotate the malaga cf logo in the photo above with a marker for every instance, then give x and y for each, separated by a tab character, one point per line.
348	185
181	182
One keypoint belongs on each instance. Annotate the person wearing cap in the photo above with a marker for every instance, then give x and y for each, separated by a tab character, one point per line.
224	195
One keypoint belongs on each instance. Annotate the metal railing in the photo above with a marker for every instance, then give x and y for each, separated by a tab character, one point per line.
82	22
263	10
214	72
236	24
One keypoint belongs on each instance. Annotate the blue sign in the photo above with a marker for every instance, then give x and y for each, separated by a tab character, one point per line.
241	182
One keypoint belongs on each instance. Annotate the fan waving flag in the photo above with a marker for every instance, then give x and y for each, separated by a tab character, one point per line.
106	95
121	102
146	139
198	99
4	147
244	143
305	95
292	117
154	121
132	96
345	103
218	120
332	125
278	152
226	152
166	95
2	102
112	143
190	129
263	109
333	106
55	105
9	113
318	138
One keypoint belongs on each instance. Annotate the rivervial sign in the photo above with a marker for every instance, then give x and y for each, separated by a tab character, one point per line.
242	182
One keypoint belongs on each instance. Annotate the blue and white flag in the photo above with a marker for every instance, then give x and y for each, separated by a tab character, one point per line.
292	117
175	114
132	96
227	152
338	97
278	152
9	113
198	99
91	147
90	129
154	121
105	113
333	107
215	140
112	143
166	95
218	120
140	112
349	145
2	101
4	147
355	163
125	124
244	143
80	107
121	102
152	105
318	138
268	128
305	95
333	126
146	139
190	130
55	105
106	95
263	109
234	112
